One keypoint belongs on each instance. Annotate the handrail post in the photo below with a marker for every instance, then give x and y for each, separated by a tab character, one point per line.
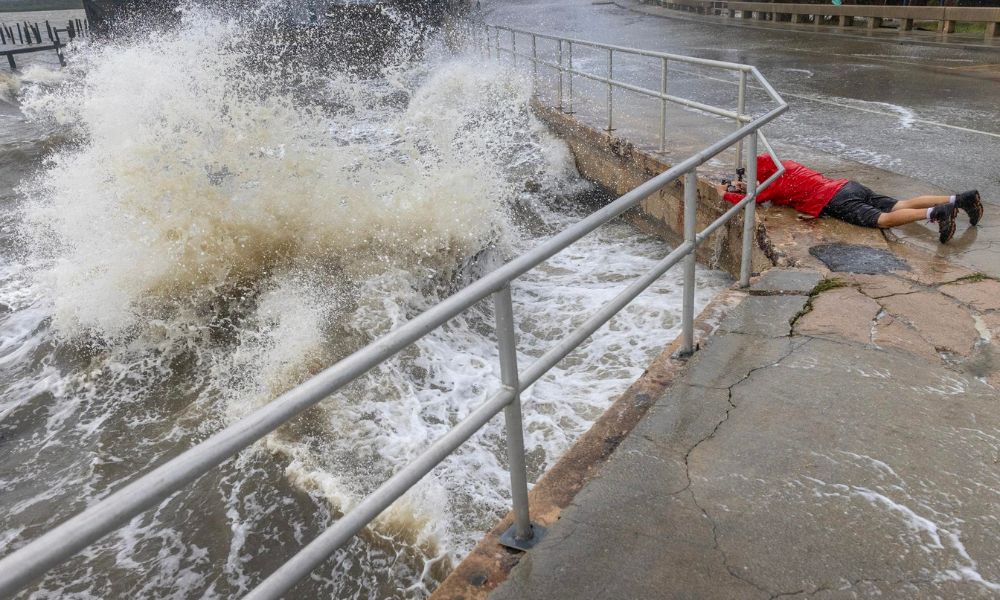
611	70
663	105
497	36
750	213
522	535
740	109
59	53
560	107
534	64
489	51
690	212
513	46
570	78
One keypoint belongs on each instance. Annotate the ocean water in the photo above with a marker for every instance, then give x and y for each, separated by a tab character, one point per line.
186	233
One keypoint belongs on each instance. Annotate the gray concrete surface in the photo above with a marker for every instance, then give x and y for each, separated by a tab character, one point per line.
903	119
851	464
785	281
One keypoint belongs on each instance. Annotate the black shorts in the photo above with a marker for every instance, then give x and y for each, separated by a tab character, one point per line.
858	205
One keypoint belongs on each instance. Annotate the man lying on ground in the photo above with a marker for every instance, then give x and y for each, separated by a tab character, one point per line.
809	192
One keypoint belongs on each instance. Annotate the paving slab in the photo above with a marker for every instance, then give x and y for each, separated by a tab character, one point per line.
928	268
725	360
981	295
764	315
785	281
939	320
890	332
878	286
992	321
843	313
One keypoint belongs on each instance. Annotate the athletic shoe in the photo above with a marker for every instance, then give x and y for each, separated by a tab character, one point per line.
971	204
944	216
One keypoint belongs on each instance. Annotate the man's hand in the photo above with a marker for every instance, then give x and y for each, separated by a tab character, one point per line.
721	188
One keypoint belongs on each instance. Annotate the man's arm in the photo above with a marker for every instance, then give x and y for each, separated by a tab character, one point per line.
735	197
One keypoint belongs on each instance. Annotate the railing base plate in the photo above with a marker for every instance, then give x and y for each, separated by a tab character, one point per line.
508	539
685	354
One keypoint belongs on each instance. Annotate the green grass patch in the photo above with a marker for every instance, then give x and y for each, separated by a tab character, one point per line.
826	285
974	278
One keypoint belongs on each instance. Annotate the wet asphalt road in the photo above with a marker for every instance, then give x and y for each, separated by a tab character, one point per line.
931	113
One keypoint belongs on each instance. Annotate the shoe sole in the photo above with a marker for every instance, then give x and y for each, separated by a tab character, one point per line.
976	212
949	232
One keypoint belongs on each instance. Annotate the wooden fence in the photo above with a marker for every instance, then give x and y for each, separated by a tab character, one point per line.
843	15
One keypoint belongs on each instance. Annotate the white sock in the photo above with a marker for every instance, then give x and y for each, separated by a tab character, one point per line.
929	211
951	199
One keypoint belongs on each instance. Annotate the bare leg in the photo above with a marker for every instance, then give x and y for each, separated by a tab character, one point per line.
903	216
920	202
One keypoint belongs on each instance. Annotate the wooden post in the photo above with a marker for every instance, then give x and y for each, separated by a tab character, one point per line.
874	22
991	30
48	28
947	27
38	33
906	25
71	30
3	35
20	35
10	61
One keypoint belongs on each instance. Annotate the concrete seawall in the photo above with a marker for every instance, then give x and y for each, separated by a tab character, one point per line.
619	166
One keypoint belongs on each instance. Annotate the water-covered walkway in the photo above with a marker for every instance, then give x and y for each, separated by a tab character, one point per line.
838	437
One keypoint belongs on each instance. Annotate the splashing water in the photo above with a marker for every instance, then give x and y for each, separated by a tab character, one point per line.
211	237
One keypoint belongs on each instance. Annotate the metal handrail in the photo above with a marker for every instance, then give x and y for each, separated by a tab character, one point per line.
19	568
664	57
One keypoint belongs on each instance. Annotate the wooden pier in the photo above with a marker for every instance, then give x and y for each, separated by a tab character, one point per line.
24	37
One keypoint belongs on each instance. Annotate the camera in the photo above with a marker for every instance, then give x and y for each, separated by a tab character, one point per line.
740	173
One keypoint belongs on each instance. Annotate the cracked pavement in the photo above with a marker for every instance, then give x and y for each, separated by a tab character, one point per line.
800	455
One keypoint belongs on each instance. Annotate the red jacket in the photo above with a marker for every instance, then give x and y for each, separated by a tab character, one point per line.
803	189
